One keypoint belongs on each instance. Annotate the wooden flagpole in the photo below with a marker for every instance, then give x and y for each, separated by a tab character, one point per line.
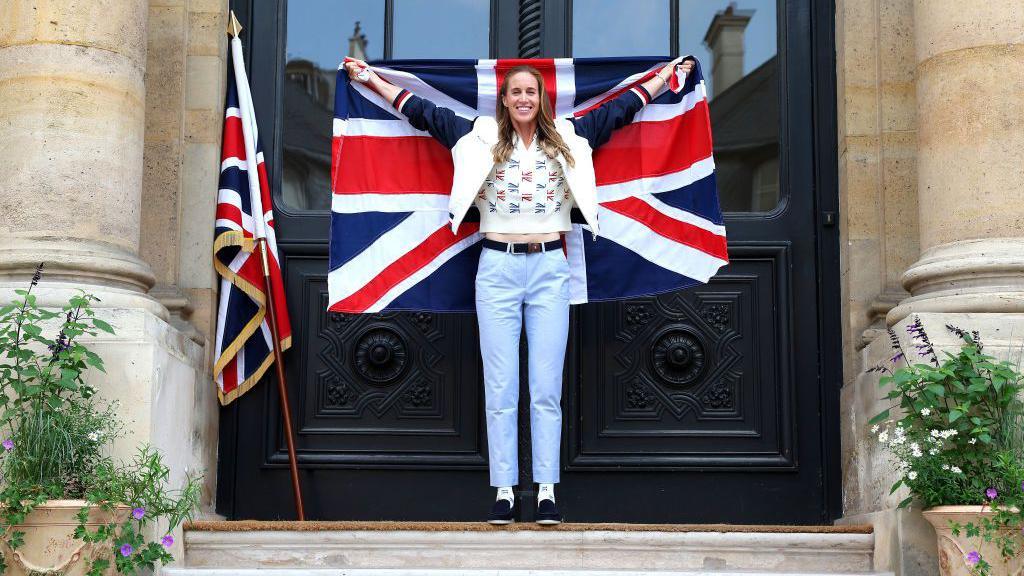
234	28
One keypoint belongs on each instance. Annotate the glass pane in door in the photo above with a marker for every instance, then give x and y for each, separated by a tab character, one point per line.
615	28
735	41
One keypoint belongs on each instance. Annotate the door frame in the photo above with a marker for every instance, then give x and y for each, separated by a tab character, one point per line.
553	38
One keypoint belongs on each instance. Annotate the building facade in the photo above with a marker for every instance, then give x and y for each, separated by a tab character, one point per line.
871	160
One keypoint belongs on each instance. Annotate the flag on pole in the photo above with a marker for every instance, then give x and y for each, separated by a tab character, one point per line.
243	349
391	244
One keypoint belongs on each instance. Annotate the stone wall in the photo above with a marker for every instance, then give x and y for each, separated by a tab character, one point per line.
111	125
185	78
931	158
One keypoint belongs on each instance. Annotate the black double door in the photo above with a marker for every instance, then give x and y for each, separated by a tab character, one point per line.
712	404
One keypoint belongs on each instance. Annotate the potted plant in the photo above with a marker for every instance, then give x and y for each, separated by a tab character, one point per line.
66	505
955	433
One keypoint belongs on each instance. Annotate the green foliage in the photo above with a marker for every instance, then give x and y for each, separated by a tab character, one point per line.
56	436
960	439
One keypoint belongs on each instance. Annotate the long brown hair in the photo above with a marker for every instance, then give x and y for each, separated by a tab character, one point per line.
548	138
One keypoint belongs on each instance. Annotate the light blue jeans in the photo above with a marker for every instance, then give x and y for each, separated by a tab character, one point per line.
511	289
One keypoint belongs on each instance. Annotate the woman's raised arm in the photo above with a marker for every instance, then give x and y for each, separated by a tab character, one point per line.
441	123
598	124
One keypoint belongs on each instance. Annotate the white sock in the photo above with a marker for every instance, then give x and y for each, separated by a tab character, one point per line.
506	493
545	492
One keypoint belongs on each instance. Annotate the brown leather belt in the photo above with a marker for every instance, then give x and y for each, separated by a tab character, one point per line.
523	247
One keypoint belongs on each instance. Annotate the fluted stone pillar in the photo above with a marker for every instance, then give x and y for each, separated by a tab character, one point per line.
970	94
72	101
72	107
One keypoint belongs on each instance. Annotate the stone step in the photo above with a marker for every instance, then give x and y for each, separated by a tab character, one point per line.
475	572
518	552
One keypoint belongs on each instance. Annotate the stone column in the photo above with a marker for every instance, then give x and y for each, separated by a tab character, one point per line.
970	94
71	135
72	107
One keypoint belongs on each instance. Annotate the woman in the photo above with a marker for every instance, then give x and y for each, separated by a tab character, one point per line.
524	171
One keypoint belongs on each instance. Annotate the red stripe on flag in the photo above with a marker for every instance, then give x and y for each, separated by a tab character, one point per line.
676	230
230	375
231	212
252	271
234	145
546	67
410	262
637	151
392	165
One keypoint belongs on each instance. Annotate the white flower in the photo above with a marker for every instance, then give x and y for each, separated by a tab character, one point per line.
934	433
94	436
874	429
883	437
911	475
915	450
972	441
945	466
925	411
933	451
955	470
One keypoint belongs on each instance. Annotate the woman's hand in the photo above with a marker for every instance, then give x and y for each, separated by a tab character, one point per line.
359	71
666	72
355	67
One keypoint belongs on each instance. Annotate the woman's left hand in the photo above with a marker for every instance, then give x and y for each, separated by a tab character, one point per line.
669	69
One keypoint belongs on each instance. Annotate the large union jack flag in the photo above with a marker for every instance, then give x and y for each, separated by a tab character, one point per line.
243	348
391	244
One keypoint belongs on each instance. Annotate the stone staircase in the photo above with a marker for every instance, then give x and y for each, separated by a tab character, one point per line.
452	549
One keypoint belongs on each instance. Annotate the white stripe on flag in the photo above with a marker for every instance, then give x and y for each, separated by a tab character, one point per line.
656	184
382	252
225	223
402	202
668	254
373	127
565	87
412	83
577	265
657	112
425	271
222	316
486	87
233	162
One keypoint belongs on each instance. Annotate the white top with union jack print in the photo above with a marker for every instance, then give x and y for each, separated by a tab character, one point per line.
525	194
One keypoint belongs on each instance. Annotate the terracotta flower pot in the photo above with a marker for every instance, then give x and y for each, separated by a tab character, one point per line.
953	550
50	546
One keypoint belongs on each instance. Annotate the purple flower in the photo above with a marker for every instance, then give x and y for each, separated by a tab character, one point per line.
991	493
897	357
1022	485
973	557
8	444
138	513
167	541
126	550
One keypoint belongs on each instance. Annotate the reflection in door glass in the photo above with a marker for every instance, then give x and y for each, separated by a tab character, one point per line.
320	34
442	29
736	44
616	28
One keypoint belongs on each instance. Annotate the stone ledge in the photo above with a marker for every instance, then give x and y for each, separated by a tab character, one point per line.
826	553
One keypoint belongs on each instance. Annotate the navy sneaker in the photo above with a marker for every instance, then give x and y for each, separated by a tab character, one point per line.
547	513
501	513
